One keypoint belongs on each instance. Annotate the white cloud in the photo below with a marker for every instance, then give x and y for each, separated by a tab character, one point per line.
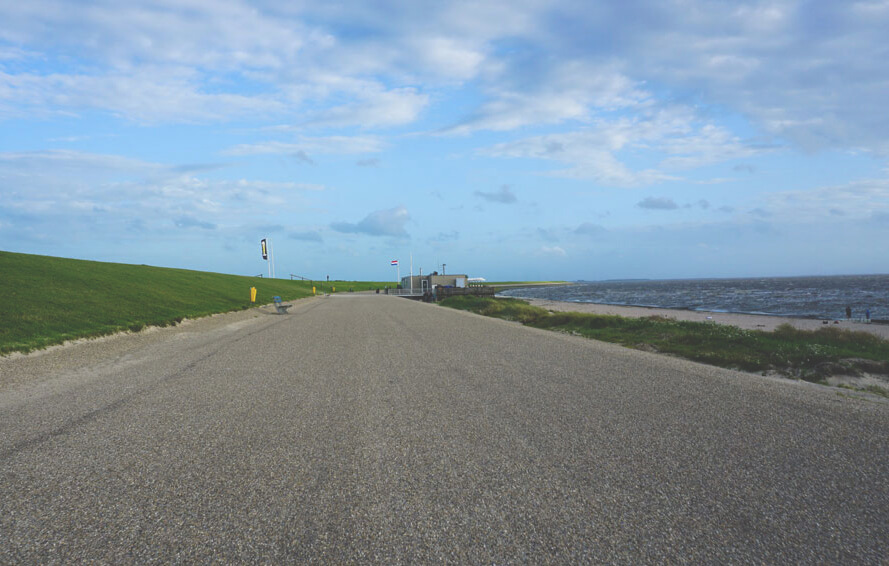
559	92
534	62
595	152
68	161
221	34
503	196
554	251
857	200
311	145
389	222
451	57
811	72
151	95
67	190
376	109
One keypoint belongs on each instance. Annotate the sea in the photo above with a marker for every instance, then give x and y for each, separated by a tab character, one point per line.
801	297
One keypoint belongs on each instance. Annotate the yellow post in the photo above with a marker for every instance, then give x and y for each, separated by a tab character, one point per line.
334	289
313	291
252	294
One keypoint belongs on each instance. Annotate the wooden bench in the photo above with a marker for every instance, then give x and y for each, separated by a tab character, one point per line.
279	306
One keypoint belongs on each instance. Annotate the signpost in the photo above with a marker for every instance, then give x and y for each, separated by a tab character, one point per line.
268	256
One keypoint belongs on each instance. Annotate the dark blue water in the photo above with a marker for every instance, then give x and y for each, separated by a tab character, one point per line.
807	297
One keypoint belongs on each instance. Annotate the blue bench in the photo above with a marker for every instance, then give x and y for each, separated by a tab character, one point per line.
280	307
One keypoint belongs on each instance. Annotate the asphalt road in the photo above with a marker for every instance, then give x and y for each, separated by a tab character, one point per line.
372	429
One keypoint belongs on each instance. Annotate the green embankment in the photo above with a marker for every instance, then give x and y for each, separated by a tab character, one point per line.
810	355
48	300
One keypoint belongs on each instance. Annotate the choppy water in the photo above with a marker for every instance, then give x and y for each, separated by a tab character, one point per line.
808	297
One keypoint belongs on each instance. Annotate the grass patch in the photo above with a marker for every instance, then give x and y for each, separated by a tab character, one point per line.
810	355
47	300
498	283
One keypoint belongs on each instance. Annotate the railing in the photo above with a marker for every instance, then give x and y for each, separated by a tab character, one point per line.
444	292
406	292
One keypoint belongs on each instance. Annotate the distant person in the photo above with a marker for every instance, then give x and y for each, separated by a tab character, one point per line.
848	313
867	315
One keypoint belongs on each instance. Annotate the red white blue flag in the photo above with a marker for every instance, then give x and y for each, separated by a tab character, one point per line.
394	262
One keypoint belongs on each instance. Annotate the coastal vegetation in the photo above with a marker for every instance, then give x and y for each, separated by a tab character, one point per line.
515	283
48	300
808	355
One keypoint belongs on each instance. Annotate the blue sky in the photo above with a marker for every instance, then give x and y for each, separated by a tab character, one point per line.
507	139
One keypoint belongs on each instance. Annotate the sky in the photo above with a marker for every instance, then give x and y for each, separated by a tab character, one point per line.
510	140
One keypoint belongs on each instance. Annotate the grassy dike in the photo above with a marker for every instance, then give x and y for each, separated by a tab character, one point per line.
48	300
809	355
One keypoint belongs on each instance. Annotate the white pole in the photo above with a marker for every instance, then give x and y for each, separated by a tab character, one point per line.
412	272
268	259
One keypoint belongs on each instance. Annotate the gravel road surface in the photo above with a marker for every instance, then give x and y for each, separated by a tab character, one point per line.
372	429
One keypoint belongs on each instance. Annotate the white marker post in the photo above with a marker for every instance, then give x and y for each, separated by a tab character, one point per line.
272	259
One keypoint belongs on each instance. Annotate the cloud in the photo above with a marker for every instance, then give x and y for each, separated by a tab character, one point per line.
657	203
447	236
308	236
776	62
222	35
547	234
589	229
191	222
303	157
502	196
444	240
389	222
308	145
379	109
150	96
595	152
71	161
856	200
55	191
372	162
553	251
760	212
528	63
560	92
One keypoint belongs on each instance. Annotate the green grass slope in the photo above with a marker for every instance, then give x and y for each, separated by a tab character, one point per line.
48	300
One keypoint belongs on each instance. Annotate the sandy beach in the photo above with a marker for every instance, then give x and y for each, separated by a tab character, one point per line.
747	321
